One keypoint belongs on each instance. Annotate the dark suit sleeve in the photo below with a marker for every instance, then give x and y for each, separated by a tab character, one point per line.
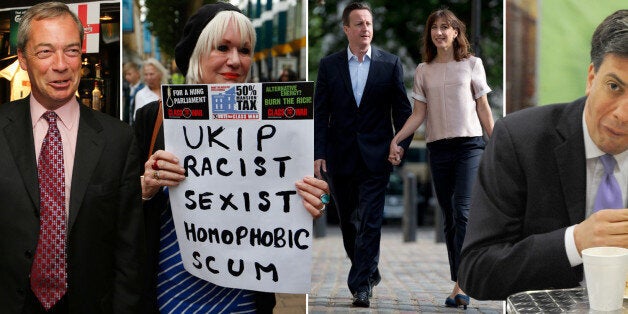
514	242
129	233
321	111
401	109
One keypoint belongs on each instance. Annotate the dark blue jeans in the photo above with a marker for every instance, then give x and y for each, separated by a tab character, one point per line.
454	164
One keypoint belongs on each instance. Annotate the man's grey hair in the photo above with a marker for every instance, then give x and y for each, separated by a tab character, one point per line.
44	10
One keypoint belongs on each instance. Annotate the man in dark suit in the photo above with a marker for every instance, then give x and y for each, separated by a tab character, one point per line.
359	97
133	83
73	246
534	208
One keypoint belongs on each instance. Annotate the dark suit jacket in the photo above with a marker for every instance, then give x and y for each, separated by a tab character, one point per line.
531	186
105	231
345	132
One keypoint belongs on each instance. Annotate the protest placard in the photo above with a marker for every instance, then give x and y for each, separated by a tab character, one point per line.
239	220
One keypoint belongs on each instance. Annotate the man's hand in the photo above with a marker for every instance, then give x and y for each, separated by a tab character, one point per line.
607	227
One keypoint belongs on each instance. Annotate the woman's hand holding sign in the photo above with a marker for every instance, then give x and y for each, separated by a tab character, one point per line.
161	169
315	194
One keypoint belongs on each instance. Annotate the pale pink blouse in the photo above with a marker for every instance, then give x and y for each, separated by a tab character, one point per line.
450	90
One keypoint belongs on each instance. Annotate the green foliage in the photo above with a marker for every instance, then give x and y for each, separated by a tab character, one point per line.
166	19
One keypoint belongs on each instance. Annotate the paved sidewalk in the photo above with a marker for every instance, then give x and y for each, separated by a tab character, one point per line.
290	303
415	276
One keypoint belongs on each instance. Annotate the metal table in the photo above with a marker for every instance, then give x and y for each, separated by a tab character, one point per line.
552	301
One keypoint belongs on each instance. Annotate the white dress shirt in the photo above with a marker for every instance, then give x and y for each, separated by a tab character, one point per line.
143	97
595	171
359	72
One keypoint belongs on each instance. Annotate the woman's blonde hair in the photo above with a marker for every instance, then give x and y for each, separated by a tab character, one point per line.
165	75
212	35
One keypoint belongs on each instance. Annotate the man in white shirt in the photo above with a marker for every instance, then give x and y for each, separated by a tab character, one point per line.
533	206
360	99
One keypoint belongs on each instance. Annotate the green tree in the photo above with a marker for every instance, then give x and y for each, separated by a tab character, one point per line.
166	19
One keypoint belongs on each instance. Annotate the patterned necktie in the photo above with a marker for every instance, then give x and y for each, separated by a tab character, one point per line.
609	193
48	273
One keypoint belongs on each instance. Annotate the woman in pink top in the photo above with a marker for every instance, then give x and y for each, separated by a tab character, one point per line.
450	92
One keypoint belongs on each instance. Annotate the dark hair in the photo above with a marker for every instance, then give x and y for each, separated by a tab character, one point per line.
44	10
611	36
352	7
291	75
461	44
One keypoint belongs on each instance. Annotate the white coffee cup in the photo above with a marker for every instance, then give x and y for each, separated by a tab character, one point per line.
605	274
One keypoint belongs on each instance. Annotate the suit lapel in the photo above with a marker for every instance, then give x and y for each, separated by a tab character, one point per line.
344	72
89	147
571	161
373	71
19	135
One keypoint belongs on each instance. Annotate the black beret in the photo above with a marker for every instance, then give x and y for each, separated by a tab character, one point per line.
192	30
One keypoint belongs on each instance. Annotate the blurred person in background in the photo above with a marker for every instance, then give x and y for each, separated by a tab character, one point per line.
176	77
287	75
451	85
155	74
133	84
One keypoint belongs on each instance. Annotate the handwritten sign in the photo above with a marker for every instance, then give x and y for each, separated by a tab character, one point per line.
239	220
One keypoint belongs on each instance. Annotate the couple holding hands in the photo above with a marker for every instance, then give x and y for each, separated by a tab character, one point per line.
360	100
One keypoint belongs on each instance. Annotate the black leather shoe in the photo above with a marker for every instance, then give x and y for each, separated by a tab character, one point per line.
361	299
374	281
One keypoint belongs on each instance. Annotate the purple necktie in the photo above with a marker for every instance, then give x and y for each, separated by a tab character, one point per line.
48	273
609	193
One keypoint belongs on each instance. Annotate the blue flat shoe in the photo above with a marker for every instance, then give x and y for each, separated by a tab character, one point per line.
449	302
463	300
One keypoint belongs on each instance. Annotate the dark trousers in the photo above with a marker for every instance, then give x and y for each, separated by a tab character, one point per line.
454	164
359	199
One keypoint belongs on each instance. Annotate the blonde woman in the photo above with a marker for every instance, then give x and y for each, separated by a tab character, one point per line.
154	74
217	47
